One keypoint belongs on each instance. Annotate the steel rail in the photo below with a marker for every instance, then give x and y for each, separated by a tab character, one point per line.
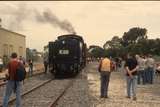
54	103
27	92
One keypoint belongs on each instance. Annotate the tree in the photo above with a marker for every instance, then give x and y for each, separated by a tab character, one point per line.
113	47
134	35
114	43
96	51
32	54
157	45
29	54
134	41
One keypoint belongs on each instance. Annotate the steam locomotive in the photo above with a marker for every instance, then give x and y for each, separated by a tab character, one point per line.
67	55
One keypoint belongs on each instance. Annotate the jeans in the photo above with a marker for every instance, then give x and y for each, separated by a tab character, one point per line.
131	86
150	75
10	86
141	76
146	75
105	76
30	70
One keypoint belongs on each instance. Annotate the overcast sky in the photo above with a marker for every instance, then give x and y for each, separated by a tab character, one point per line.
96	21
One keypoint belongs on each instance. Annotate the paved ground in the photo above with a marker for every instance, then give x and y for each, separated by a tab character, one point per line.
148	95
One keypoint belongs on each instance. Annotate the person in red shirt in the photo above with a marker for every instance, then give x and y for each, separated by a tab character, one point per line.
12	84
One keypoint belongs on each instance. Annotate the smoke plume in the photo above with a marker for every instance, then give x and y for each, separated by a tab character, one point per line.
48	17
22	12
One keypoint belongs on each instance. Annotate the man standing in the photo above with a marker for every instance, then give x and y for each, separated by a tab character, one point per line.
150	70
131	67
141	69
45	63
30	63
12	84
105	70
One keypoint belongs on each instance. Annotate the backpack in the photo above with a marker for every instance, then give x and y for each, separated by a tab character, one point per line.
20	73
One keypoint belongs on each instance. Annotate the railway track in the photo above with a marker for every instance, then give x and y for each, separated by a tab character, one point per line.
46	94
28	84
54	103
27	92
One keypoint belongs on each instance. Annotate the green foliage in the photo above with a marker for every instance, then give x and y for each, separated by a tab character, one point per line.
157	58
96	51
134	41
29	54
134	35
32	54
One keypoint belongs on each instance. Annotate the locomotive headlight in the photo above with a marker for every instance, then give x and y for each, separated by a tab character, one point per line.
63	42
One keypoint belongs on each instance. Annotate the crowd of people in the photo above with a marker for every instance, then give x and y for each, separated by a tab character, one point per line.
139	69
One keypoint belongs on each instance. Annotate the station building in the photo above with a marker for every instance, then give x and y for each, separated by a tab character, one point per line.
12	42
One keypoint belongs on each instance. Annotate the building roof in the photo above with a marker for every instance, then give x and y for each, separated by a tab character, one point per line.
12	32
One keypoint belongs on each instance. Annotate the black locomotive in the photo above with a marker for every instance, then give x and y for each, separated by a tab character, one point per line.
67	55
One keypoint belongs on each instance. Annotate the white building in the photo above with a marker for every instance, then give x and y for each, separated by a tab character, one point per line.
12	42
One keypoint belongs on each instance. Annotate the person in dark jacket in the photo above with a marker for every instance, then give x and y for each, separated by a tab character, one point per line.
131	67
45	64
30	63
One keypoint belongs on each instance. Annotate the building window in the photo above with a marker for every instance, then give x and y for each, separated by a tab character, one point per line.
10	49
5	49
20	51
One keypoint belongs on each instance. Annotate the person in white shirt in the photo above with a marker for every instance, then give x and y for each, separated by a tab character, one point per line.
141	69
150	70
